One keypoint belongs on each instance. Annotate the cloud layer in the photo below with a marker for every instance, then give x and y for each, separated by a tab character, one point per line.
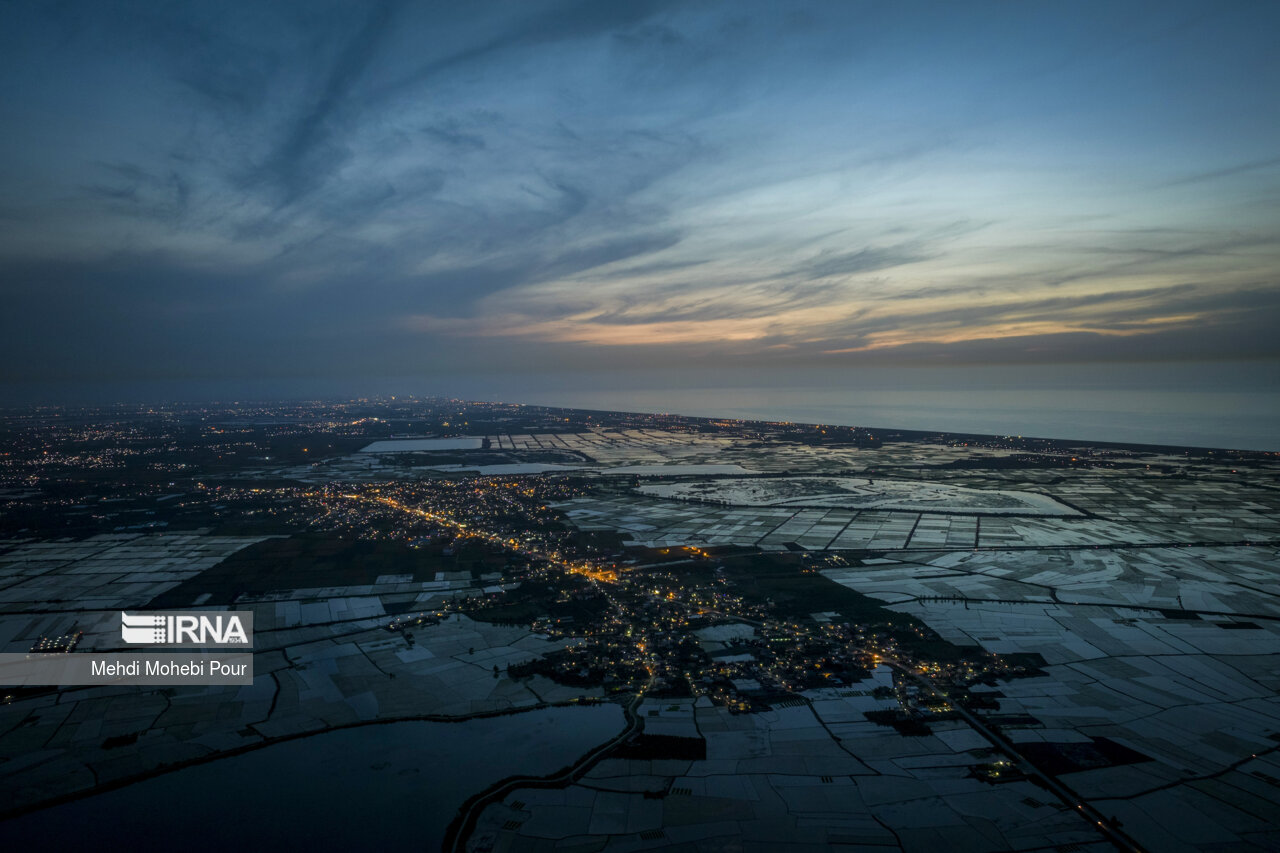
394	188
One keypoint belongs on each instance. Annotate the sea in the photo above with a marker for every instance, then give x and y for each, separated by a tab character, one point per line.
1227	404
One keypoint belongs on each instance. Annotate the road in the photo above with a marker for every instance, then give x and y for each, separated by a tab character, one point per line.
1071	798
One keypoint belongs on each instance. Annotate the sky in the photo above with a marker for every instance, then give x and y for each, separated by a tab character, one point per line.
302	190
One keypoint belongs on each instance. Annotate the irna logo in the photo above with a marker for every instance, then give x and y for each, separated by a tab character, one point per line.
211	628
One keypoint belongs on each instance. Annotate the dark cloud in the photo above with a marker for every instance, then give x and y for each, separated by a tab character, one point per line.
458	292
604	253
307	154
1230	171
829	264
450	135
1242	324
558	22
130	190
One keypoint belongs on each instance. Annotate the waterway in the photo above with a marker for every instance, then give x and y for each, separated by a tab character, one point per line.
397	784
